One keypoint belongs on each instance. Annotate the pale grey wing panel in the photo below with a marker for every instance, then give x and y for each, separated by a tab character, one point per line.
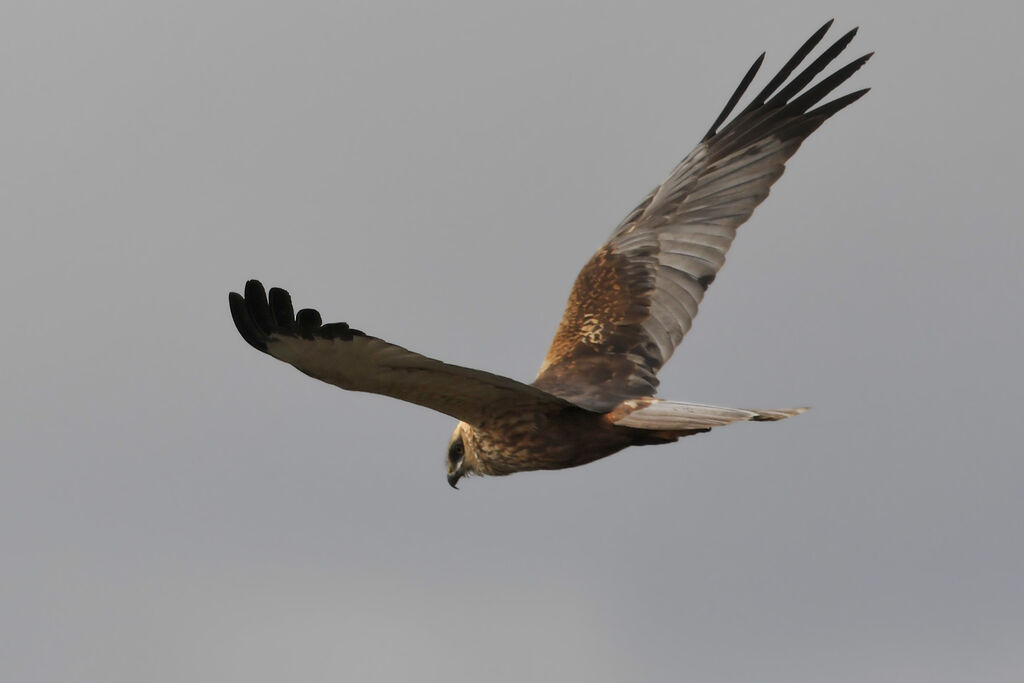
350	359
693	229
637	298
669	192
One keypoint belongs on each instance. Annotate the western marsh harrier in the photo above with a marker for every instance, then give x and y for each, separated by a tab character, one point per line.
630	307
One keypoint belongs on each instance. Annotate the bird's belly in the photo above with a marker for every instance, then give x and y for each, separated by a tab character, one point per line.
550	444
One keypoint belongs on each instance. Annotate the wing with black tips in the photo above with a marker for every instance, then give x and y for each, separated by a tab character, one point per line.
637	297
351	359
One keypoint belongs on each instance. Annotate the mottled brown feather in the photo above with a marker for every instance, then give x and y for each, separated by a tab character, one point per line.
597	337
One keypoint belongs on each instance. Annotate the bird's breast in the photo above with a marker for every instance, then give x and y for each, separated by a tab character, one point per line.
522	442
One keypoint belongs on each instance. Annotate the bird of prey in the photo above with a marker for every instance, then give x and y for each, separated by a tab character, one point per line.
630	307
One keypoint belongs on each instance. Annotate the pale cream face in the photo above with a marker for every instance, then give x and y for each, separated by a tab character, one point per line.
456	459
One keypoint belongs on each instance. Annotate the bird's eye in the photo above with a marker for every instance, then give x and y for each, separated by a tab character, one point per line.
456	450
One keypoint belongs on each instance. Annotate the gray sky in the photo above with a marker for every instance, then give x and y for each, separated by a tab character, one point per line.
177	507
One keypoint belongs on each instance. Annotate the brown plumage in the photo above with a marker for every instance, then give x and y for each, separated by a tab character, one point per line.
630	307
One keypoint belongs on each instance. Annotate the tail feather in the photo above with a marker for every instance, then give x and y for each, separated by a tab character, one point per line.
671	415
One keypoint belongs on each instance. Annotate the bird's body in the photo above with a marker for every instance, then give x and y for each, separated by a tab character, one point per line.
630	307
540	441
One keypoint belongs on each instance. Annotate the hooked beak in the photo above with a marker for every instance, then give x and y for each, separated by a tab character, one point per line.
453	479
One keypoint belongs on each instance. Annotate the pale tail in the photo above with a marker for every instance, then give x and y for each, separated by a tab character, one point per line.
671	415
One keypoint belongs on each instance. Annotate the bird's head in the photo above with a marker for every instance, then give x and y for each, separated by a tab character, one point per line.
460	459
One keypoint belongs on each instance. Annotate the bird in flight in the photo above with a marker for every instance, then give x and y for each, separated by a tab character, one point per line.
630	307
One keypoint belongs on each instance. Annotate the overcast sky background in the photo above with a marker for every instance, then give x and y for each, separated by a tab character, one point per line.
177	507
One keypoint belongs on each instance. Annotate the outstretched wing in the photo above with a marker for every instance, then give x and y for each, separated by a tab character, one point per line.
636	298
350	359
